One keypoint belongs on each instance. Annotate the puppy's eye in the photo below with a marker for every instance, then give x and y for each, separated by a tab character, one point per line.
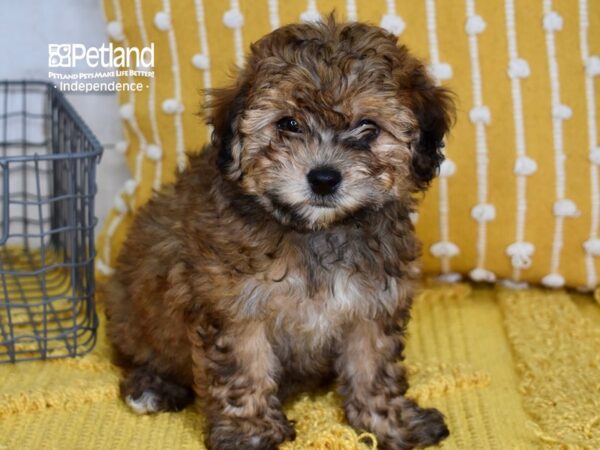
289	124
367	130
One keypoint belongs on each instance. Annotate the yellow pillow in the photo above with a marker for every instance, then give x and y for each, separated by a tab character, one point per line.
518	199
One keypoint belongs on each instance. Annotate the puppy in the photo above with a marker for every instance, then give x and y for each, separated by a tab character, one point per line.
284	256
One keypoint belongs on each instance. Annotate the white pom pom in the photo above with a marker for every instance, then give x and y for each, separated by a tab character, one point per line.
200	61
450	277
414	217
115	30
516	285
525	166
553	280
441	71
120	204
520	254
562	112
103	268
483	212
162	21
233	19
595	155
121	146
592	246
565	208
447	168
126	111
553	21
310	16
480	114
130	186
154	152
519	68
444	249
172	106
392	23
520	248
482	275
475	25
592	66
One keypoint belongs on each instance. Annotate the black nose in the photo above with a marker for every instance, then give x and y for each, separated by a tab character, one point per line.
324	181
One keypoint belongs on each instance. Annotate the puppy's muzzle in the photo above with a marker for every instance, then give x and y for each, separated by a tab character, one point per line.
324	180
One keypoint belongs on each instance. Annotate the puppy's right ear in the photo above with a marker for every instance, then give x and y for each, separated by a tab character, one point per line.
225	107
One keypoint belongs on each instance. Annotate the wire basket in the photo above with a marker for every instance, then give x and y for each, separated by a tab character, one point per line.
48	160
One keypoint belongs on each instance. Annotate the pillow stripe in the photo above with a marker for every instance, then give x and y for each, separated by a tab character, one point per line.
173	105
480	116
112	226
592	245
274	20
127	113
234	19
127	109
443	249
562	207
520	251
351	14
157	147
391	21
204	63
312	12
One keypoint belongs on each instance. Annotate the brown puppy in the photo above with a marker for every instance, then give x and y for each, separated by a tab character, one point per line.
284	256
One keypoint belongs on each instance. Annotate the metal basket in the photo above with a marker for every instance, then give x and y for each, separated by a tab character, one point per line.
48	160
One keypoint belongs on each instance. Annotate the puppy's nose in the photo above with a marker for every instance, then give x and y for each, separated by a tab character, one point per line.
324	180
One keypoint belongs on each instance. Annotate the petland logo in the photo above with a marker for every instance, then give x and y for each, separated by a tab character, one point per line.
114	69
108	57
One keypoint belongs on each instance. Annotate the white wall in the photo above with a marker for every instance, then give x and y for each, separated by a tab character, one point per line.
26	29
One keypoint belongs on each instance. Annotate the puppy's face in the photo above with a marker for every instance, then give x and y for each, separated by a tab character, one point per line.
326	120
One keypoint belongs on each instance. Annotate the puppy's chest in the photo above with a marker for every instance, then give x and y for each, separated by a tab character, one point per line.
312	290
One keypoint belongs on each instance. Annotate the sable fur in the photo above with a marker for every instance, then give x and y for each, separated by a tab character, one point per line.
239	282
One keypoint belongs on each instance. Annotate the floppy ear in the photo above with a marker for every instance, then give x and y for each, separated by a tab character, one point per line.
224	109
433	107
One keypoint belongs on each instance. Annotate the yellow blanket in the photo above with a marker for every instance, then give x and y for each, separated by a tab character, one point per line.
510	370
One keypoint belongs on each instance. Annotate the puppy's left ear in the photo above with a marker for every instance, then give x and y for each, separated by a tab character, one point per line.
433	107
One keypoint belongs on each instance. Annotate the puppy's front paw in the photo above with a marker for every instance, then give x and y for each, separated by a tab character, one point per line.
416	427
236	433
427	427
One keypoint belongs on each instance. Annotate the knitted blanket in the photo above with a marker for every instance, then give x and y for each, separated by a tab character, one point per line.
509	369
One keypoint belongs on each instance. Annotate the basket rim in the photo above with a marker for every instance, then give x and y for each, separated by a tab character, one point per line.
57	96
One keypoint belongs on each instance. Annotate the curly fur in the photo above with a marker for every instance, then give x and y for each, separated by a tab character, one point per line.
241	283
